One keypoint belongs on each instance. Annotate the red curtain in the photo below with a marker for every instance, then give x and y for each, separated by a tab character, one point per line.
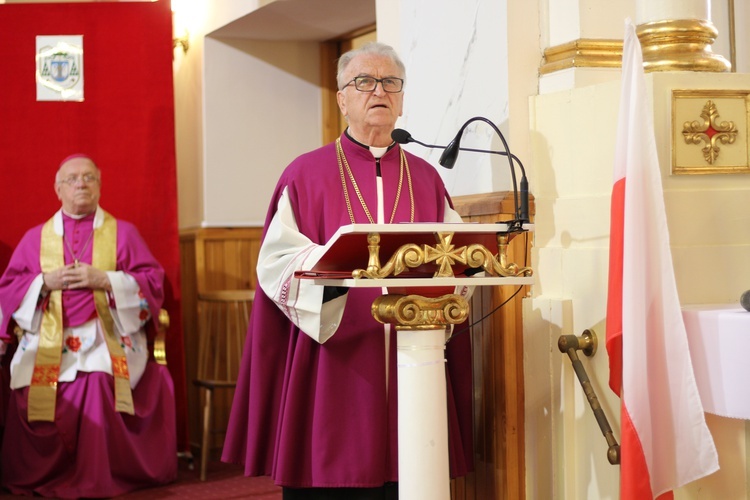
125	123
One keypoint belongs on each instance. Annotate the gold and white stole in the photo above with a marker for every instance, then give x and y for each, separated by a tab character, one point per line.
43	388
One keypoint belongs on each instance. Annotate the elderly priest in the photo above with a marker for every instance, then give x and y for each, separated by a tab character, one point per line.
90	414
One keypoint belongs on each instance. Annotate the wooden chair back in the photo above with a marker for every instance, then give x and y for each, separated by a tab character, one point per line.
223	319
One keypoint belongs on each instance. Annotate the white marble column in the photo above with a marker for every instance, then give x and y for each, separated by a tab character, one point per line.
659	10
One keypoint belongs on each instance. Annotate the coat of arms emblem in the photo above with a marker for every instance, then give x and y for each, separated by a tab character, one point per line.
60	70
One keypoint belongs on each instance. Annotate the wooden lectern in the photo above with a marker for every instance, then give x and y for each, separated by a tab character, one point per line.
425	281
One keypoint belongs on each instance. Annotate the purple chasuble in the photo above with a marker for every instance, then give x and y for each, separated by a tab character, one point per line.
313	415
90	450
133	257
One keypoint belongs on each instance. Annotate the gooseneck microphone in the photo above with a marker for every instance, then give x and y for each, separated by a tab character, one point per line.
401	136
448	160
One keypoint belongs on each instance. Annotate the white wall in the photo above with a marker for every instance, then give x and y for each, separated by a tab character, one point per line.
244	109
262	109
188	103
572	134
457	68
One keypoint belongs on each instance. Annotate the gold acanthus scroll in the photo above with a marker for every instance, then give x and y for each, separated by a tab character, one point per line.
444	254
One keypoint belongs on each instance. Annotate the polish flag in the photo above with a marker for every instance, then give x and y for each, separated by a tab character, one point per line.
665	442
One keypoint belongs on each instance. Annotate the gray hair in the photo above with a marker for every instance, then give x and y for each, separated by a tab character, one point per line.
73	157
370	48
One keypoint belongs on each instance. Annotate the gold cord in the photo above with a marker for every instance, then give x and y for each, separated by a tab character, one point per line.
404	166
80	253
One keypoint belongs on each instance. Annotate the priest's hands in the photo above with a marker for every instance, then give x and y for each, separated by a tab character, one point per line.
72	277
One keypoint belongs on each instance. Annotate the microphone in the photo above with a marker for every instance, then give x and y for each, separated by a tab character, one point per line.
745	300
401	136
448	160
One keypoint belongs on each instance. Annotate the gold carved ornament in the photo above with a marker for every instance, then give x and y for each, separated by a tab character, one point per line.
710	131
412	312
444	254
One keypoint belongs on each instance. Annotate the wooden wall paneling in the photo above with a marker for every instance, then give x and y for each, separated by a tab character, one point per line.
508	328
213	259
189	282
329	55
230	265
488	405
228	259
497	343
484	423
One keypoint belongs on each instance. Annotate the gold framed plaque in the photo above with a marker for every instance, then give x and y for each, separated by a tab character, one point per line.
710	131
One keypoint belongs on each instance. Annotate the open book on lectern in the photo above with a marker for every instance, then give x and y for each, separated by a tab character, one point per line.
348	250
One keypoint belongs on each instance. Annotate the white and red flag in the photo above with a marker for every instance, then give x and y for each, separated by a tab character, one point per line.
665	442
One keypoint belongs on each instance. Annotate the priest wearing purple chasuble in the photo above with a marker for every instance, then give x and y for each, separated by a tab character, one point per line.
90	413
316	402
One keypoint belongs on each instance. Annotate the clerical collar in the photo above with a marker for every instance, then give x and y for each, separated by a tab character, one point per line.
77	217
376	151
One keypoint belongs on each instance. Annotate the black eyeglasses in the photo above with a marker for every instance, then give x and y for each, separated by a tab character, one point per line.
368	83
73	179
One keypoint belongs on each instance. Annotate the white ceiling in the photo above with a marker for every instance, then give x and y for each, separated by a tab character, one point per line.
299	20
302	20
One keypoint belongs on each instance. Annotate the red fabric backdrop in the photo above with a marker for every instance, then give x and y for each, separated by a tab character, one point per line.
126	123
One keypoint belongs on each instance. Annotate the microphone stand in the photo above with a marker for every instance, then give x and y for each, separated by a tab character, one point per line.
473	150
448	160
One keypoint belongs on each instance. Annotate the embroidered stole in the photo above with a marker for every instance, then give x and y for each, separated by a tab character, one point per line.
43	388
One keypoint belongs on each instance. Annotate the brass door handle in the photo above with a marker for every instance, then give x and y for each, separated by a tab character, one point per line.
587	342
